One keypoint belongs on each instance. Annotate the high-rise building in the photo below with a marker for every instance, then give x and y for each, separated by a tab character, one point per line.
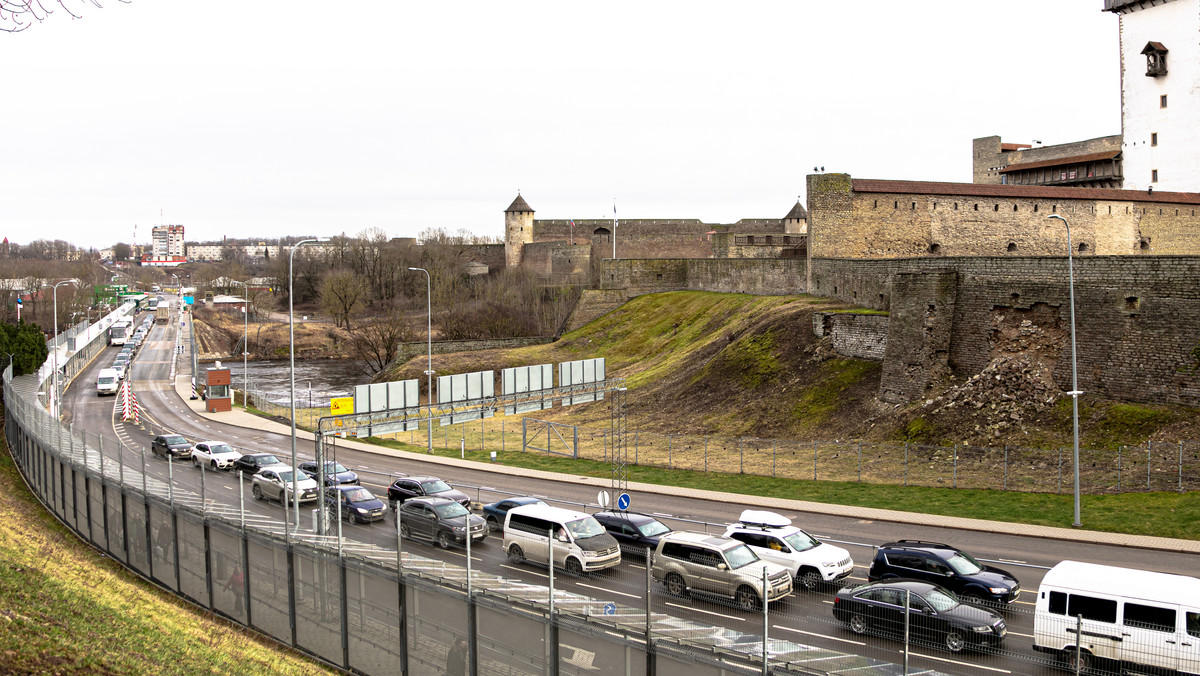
168	240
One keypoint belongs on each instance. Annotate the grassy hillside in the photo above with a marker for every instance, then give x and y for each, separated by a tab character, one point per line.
65	608
733	364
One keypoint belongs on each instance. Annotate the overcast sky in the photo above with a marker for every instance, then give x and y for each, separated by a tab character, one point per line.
265	119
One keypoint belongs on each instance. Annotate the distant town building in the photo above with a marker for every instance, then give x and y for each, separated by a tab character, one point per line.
167	240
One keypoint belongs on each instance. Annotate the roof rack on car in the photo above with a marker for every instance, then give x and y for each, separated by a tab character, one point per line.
753	518
924	543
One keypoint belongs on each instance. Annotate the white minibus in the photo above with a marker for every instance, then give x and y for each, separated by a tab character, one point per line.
1120	617
580	543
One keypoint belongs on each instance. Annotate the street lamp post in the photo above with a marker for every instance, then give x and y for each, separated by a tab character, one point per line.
429	349
246	341
55	407
292	354
1074	374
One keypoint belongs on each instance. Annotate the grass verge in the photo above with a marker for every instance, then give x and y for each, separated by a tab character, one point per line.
65	608
1175	515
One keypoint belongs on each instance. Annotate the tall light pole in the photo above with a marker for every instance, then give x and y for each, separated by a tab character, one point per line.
246	340
1074	374
292	354
429	349
54	408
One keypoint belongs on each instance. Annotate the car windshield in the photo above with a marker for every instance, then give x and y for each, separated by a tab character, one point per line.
435	486
801	541
266	460
585	528
287	476
652	528
450	510
175	439
362	495
106	380
963	564
739	556
217	449
940	600
335	467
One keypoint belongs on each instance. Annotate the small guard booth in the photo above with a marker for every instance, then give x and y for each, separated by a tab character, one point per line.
218	395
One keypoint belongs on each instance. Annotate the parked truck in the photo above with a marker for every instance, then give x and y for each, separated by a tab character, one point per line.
162	313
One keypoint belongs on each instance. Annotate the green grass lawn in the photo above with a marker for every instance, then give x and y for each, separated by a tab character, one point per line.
1162	514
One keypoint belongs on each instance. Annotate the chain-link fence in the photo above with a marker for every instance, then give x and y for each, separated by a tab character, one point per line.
1155	466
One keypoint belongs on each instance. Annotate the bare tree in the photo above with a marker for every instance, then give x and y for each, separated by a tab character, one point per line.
378	341
17	15
343	293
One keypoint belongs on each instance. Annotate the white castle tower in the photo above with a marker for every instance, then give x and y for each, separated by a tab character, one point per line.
1160	93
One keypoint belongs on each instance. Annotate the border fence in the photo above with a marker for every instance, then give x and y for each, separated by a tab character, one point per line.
358	606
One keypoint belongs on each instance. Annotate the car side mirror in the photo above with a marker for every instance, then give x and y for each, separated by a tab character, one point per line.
721	566
563	538
926	610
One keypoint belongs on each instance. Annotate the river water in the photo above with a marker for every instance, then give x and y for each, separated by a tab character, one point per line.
320	379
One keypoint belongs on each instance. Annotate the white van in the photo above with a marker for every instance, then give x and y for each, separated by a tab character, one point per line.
107	382
1124	617
581	544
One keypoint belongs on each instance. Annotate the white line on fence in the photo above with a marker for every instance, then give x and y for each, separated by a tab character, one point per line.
706	612
809	633
965	664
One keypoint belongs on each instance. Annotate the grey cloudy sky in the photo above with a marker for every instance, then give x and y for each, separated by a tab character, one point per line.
265	119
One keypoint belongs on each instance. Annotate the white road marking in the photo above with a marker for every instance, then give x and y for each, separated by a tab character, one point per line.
1013	633
809	633
609	591
526	570
965	664
1011	561
706	612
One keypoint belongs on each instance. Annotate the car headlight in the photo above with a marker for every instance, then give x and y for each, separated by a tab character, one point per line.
360	510
589	555
998	590
985	629
458	529
830	564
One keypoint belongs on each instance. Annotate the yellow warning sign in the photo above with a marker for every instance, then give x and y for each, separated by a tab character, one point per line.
341	406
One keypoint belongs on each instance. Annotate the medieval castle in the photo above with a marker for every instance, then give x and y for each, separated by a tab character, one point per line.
962	267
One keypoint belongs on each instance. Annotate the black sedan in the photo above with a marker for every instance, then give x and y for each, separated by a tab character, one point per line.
635	532
495	512
171	445
934	614
250	463
355	503
439	520
335	473
408	487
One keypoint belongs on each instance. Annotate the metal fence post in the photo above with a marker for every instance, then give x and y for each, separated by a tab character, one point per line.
906	463
1005	466
649	642
1119	449
1147	465
955	484
669	452
1180	466
814	460
741	455
860	461
766	624
576	440
773	457
1078	643
706	453
907	610
1059	470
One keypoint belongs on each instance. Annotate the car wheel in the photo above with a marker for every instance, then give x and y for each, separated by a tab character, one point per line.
444	540
214	465
954	641
810	579
1070	656
747	598
195	462
858	624
675	585
257	492
515	554
574	568
493	524
404	530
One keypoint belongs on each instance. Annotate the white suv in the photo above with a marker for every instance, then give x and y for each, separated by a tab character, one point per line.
775	539
275	482
215	454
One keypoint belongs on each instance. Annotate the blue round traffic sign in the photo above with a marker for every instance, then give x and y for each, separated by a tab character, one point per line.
610	608
623	501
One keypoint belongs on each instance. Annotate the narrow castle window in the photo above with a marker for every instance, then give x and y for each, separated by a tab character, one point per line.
914	206
1153	138
1035	207
996	207
1012	246
976	207
1154	176
1083	247
935	248
1162	101
1014	207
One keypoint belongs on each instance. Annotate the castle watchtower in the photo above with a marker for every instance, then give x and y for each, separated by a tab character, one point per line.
518	230
796	222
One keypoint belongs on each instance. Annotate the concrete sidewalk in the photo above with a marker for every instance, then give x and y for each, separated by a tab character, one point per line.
240	418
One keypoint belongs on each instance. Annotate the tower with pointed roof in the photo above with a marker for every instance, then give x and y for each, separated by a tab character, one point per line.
518	230
796	221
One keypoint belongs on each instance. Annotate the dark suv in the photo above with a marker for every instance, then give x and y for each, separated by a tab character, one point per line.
408	487
172	445
946	567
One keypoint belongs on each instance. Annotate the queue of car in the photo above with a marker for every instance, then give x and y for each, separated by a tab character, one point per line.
108	380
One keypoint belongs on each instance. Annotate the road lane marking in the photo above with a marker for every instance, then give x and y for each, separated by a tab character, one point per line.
706	612
965	664
609	591
809	633
1014	633
526	570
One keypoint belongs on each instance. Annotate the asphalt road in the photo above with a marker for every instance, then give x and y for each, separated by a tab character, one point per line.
803	618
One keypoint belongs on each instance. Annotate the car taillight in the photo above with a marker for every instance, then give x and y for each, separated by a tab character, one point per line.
835	600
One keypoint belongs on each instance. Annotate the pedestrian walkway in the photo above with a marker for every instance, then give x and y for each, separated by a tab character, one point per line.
240	418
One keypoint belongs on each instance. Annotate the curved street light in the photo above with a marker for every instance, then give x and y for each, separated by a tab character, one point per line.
54	407
429	349
1074	375
292	355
